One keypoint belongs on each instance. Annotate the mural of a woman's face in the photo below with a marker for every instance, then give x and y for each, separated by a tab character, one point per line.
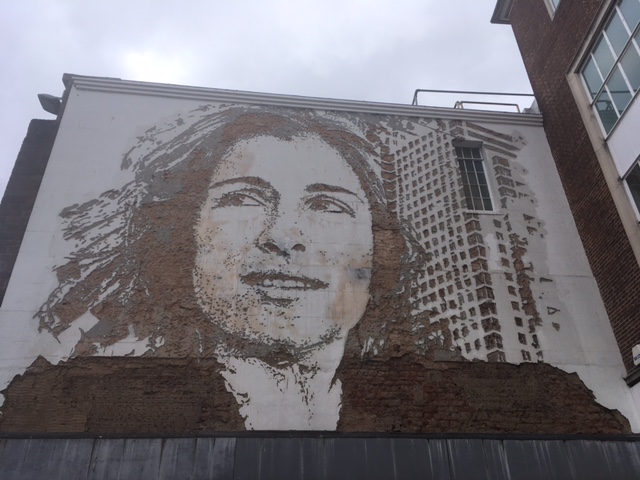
284	243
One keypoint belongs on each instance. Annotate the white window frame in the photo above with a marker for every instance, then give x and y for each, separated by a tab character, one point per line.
625	180
613	177
552	6
603	92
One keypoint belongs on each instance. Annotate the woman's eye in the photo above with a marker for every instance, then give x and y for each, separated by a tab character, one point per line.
324	203
239	199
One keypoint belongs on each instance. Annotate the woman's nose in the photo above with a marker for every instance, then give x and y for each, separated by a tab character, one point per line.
281	236
281	249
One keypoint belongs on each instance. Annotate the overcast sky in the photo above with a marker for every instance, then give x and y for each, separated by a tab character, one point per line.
372	50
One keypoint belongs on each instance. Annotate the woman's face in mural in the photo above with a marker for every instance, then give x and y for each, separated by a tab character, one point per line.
284	243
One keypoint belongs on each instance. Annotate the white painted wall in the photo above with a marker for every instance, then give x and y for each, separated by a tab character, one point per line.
98	127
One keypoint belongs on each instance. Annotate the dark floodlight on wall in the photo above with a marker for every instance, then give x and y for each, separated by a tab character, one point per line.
50	103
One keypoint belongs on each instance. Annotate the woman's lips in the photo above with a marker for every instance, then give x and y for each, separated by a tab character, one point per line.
282	281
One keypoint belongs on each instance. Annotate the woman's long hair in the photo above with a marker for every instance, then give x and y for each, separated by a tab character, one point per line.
133	262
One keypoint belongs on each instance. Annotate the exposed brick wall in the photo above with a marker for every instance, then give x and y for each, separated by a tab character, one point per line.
398	394
405	394
548	48
21	192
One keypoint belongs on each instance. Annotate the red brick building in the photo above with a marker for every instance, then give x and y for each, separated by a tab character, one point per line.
583	61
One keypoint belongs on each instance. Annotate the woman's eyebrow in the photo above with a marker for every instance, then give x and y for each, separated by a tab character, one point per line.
323	187
251	181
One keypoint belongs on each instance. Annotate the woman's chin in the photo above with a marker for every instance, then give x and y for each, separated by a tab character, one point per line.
279	345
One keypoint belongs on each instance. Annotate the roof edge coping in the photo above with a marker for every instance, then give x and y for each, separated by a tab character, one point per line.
502	12
116	85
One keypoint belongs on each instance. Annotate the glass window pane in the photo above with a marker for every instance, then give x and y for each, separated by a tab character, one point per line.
631	12
474	181
604	57
606	111
618	35
592	77
619	90
633	182
468	165
616	60
470	204
631	66
458	152
467	192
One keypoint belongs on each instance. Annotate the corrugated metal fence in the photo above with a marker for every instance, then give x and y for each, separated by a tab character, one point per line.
319	457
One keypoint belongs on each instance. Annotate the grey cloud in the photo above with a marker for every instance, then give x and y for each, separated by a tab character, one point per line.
374	50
